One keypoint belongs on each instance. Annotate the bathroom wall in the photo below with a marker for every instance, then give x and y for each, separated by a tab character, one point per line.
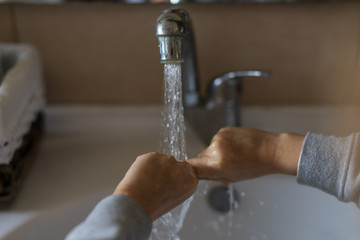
6	27
107	53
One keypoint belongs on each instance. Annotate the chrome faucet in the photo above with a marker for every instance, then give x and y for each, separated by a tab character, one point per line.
222	106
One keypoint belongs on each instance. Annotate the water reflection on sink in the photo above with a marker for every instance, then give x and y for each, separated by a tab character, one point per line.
274	207
87	150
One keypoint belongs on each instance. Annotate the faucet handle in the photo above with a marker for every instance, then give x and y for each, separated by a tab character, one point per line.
245	73
228	86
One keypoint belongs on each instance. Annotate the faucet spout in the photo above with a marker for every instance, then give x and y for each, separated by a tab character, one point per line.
177	45
221	107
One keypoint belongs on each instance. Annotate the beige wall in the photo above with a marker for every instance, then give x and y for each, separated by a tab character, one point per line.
107	53
6	27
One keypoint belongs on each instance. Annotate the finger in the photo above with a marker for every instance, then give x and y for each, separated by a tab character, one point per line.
202	167
189	169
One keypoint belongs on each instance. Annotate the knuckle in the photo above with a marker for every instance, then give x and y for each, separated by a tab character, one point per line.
154	153
150	155
225	133
217	149
227	129
218	145
170	157
221	130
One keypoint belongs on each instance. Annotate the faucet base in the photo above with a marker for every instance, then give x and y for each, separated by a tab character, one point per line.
207	121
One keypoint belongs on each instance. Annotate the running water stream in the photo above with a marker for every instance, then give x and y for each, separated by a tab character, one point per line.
173	124
172	143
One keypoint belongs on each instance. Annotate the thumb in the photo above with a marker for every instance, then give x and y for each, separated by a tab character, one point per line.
202	167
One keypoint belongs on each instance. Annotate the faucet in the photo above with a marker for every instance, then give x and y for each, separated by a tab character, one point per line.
221	107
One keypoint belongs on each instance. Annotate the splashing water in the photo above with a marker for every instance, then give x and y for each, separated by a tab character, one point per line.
232	203
173	143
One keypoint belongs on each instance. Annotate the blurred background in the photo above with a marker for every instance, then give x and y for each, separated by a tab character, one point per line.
105	52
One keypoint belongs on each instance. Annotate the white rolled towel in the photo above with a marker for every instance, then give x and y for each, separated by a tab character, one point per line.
21	95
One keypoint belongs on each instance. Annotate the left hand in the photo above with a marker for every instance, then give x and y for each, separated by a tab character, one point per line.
237	154
158	182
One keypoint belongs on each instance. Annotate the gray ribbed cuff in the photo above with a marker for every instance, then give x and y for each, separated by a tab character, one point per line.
115	217
323	162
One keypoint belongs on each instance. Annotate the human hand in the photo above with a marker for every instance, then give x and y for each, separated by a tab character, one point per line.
238	153
158	182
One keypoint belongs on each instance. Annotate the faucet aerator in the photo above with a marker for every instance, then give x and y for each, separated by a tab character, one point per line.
170	49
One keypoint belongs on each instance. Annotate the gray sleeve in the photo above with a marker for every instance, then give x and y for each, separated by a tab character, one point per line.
115	217
332	164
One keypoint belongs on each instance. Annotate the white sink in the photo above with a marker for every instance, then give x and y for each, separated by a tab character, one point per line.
87	150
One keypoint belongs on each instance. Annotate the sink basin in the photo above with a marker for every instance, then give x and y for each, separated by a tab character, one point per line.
274	207
87	150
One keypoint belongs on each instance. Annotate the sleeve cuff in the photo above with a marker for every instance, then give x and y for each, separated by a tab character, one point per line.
324	163
115	217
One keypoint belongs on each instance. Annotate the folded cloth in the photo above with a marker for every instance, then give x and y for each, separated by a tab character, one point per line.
12	174
21	96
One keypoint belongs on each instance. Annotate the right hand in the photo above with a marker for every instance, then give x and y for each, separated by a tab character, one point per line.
158	182
238	153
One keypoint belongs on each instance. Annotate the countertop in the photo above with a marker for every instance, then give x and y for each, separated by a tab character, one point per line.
86	150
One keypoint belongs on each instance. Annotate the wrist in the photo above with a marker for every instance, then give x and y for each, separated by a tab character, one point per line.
287	153
136	195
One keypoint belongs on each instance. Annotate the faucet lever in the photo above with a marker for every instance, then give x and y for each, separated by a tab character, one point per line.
239	75
245	73
228	86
